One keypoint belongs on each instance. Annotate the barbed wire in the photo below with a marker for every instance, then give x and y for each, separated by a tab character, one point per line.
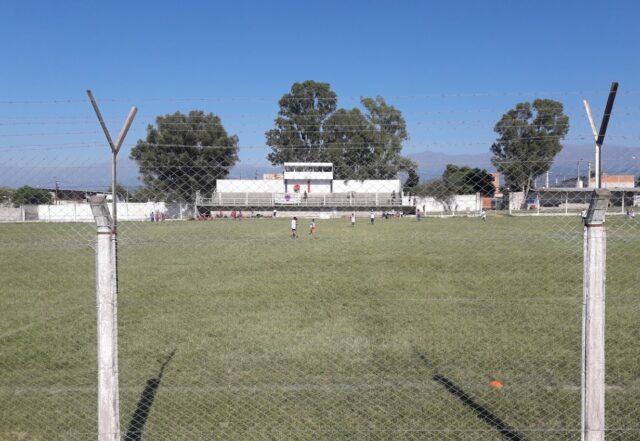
276	98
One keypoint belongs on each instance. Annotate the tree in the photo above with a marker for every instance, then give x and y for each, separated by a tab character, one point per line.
121	192
412	180
26	195
298	132
390	131
439	189
529	139
457	180
6	196
467	180
348	137
369	145
184	154
310	128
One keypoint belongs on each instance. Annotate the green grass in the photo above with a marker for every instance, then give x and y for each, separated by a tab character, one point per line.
338	336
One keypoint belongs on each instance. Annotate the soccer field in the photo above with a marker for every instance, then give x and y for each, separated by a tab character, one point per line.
232	330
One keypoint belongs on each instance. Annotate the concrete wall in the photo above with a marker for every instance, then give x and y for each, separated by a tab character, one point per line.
325	214
11	214
317	186
459	204
81	212
367	186
249	186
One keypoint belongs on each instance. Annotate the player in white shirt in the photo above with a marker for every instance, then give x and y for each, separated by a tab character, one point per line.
353	219
372	217
294	227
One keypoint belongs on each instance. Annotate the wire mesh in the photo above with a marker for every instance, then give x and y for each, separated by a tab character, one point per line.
447	307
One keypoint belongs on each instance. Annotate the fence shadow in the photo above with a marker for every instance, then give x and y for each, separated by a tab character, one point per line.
481	412
141	414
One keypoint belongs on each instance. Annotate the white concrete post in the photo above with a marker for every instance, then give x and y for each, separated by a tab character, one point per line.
593	314
106	291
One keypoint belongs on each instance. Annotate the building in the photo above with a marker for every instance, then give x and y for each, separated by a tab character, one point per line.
303	185
614	181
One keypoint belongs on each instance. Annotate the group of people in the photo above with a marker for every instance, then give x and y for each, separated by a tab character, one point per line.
294	227
631	213
156	216
312	224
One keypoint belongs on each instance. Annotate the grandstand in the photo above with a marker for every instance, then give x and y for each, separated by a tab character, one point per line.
303	186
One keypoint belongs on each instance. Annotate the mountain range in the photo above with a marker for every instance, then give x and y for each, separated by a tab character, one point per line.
97	176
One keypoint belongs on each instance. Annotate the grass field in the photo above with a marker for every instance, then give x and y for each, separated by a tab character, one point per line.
390	331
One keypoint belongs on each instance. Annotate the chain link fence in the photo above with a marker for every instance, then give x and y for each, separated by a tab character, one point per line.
448	308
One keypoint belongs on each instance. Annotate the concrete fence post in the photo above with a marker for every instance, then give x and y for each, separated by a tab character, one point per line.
593	314
106	298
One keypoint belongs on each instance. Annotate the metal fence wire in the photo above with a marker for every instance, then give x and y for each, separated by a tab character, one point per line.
449	307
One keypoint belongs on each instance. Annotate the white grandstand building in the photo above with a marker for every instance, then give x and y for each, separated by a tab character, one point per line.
303	185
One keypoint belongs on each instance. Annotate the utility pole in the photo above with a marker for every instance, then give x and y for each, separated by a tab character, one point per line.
57	198
593	288
593	316
599	135
107	292
578	181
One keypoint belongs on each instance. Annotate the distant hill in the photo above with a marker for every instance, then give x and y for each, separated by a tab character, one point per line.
97	175
616	160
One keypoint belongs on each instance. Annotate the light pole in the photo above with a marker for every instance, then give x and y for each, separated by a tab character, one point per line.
578	174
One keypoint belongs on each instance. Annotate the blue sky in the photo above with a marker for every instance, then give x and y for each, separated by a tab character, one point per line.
452	68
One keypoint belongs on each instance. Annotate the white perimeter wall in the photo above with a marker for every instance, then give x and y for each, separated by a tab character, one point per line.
318	186
460	203
131	211
249	186
367	186
11	214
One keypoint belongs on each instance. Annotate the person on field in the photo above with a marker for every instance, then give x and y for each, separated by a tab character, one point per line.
294	227
353	219
418	215
312	227
372	217
483	215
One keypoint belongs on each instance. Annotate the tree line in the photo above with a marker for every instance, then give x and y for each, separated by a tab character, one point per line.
185	153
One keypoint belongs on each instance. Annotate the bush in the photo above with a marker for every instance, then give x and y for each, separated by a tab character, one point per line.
31	196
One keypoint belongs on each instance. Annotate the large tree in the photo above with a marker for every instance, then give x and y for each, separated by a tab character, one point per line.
389	133
467	180
297	135
310	128
184	154
6	196
457	180
528	140
412	180
348	136
26	195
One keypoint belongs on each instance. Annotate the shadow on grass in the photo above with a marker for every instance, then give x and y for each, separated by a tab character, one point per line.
141	414
481	412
